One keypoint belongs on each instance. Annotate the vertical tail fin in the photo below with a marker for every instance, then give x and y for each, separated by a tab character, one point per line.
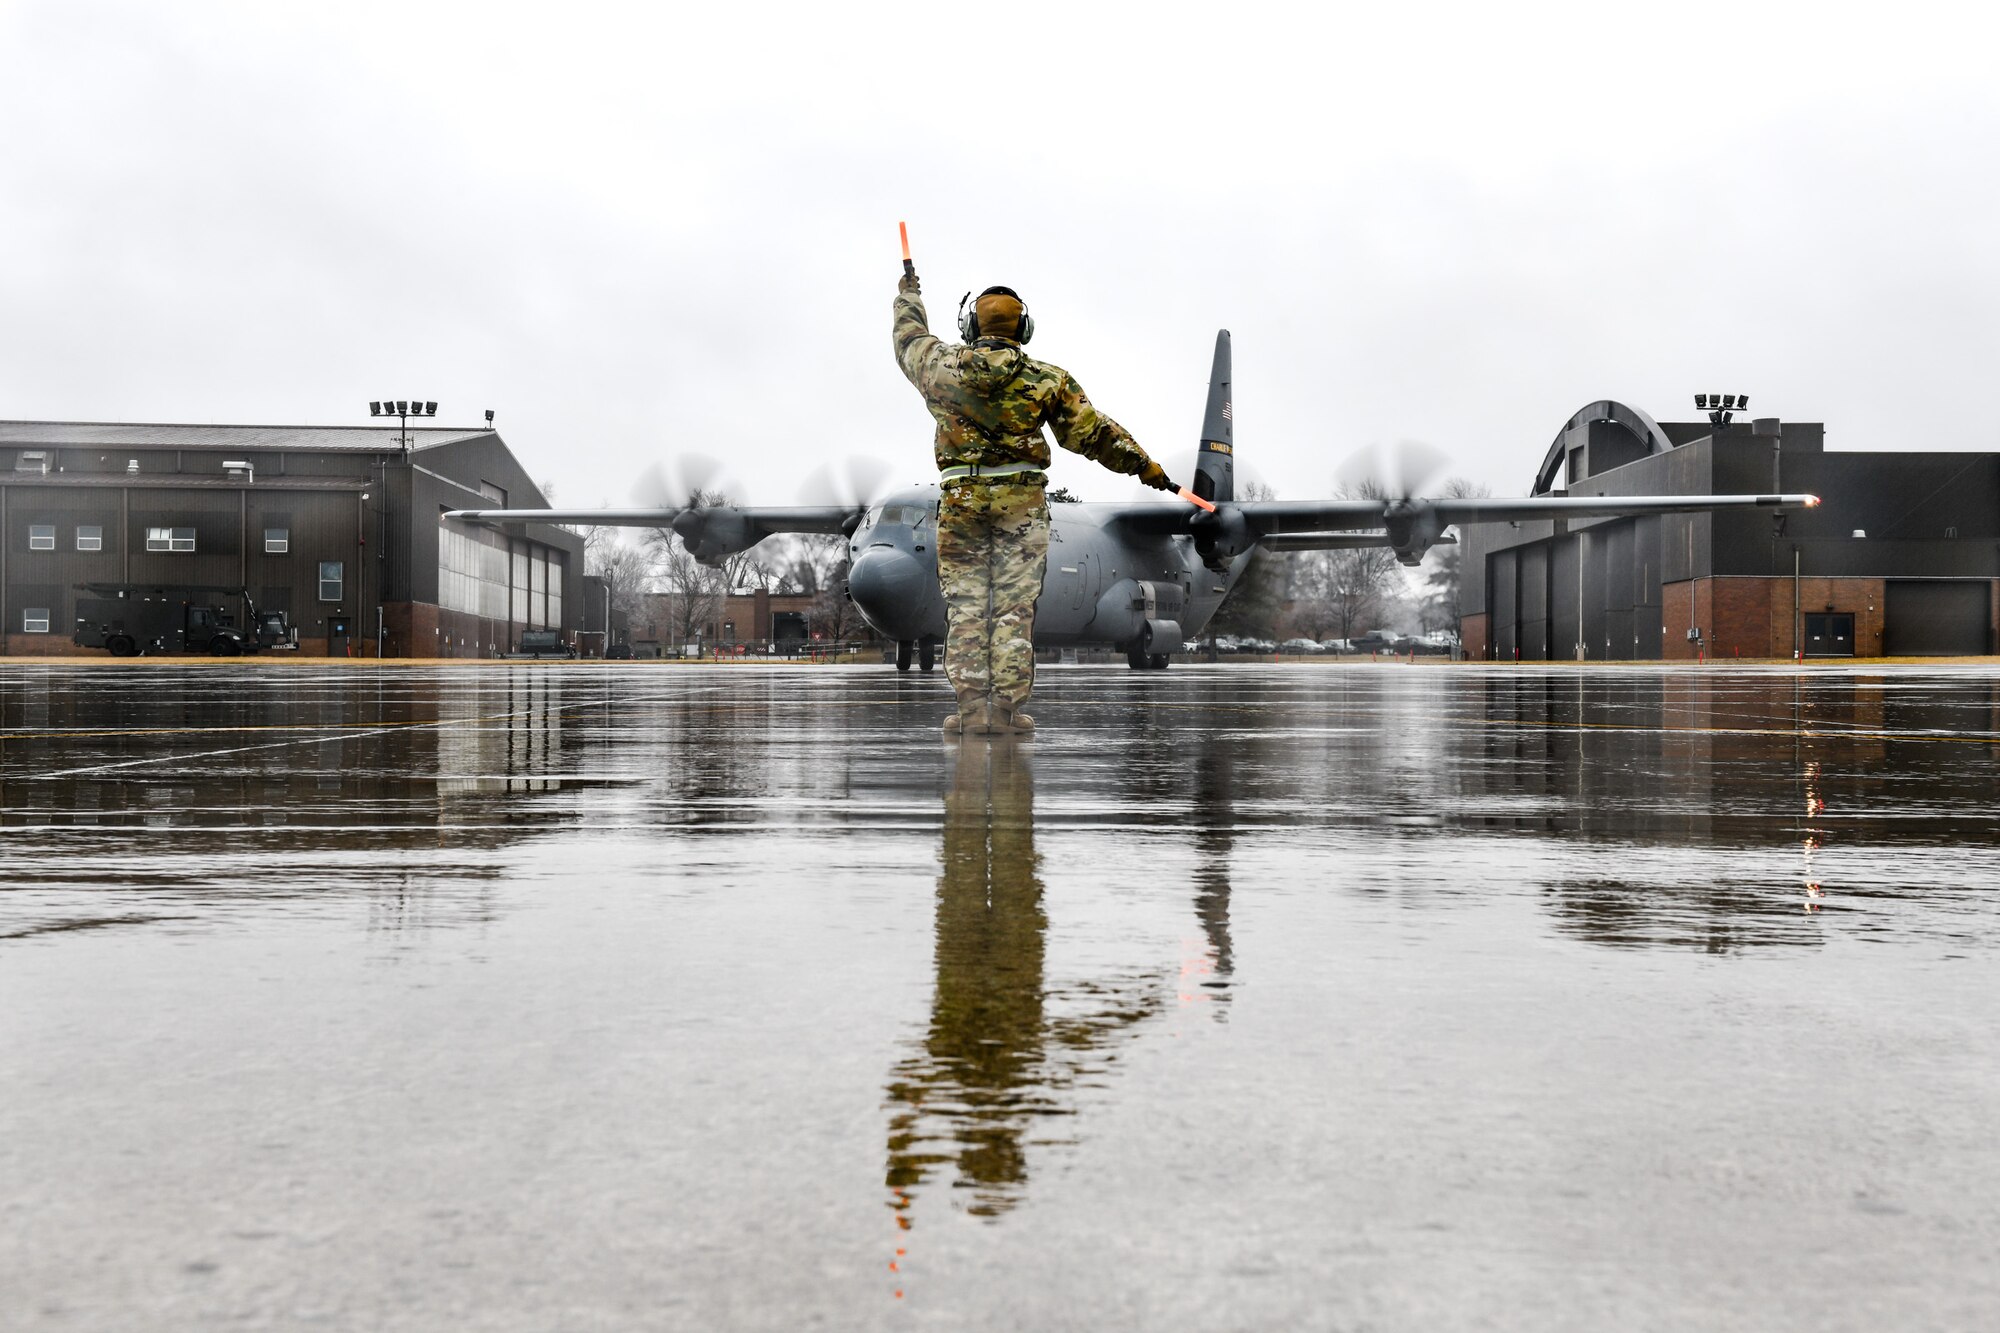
1215	465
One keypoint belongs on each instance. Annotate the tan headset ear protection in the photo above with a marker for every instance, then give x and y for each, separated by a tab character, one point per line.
968	315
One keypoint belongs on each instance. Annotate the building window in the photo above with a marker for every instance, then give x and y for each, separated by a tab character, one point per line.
170	539
89	537
41	536
34	620
332	573
277	541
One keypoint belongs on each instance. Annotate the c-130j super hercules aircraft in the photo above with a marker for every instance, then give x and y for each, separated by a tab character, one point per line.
1139	577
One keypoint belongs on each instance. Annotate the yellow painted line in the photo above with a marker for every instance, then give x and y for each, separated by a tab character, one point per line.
1986	739
59	734
322	739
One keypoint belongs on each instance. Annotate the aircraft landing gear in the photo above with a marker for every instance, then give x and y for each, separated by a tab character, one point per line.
1139	654
926	654
905	650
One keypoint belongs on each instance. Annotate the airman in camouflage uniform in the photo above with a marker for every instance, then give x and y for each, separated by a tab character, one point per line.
991	400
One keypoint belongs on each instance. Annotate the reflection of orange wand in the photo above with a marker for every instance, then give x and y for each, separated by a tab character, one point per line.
1195	500
909	269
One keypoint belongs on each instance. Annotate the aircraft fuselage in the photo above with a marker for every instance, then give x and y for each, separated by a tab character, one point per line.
1104	584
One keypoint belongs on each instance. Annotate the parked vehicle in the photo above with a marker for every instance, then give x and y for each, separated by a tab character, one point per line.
127	619
1299	646
540	644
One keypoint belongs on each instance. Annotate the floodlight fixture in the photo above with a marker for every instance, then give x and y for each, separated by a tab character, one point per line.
430	409
1743	400
374	409
402	408
1701	402
489	416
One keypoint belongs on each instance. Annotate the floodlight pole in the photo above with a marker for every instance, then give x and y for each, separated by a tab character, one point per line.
402	410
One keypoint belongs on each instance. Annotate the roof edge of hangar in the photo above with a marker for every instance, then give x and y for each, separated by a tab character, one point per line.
191	435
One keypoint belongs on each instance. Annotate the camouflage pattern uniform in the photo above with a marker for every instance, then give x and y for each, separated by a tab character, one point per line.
991	400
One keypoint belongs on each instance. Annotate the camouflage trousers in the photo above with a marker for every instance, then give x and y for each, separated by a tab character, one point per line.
993	544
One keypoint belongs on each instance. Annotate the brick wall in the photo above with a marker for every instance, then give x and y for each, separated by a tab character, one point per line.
1752	617
1675	617
1862	597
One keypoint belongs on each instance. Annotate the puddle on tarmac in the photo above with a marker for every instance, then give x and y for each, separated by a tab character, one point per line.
1241	997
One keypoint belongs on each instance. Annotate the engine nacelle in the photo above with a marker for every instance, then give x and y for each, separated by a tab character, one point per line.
1222	536
711	534
1130	605
1412	528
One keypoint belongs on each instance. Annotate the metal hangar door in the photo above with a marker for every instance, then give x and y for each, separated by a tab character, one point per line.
1937	617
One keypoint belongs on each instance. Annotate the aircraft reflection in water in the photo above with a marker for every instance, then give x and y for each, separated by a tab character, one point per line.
1005	1046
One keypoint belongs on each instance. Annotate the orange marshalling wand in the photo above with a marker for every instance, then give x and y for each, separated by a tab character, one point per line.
909	269
1196	500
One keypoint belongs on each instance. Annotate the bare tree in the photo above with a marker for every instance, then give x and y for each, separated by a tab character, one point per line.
626	566
690	593
1444	575
1340	592
1337	592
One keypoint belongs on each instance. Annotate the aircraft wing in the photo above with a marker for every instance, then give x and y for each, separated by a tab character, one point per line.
1485	509
710	532
1409	526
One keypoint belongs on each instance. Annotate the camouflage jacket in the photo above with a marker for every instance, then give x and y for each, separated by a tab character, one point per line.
991	400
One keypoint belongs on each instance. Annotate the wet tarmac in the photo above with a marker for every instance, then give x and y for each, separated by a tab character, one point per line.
1320	997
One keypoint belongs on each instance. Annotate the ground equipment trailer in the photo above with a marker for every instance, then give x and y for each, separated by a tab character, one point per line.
132	618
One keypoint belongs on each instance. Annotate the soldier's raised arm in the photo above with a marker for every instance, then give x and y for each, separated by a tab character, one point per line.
1080	428
918	350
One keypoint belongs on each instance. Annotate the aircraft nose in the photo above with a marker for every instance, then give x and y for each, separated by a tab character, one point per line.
888	585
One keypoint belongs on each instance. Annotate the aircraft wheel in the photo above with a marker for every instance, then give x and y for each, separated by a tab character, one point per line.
905	652
1136	657
1158	661
121	645
927	654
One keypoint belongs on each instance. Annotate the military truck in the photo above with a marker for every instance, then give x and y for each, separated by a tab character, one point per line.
128	619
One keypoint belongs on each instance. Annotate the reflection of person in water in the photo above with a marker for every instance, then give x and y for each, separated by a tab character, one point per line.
970	1094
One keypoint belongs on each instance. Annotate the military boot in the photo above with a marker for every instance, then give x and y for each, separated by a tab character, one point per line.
1006	719
970	717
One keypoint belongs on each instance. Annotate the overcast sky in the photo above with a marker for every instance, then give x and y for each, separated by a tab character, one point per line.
637	229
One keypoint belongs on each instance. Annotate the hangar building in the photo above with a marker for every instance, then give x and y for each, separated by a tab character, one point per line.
338	526
1901	558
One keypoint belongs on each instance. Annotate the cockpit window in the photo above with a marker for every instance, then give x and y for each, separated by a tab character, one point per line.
901	515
